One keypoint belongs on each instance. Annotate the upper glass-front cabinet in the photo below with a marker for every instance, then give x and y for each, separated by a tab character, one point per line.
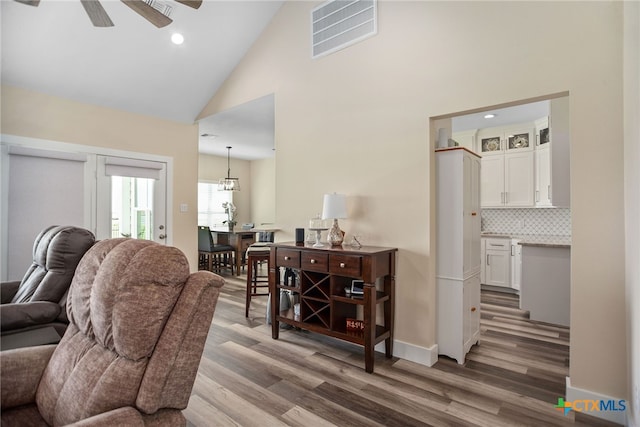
542	132
505	139
518	141
491	144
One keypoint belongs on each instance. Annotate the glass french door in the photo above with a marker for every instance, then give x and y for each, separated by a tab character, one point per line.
131	199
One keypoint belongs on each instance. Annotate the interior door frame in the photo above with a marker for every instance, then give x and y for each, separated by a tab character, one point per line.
90	211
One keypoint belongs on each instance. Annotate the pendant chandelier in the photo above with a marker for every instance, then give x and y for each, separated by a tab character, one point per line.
228	183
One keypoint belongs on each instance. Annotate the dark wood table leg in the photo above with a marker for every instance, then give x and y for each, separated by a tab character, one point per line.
369	326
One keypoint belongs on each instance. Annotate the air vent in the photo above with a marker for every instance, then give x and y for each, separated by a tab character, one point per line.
337	24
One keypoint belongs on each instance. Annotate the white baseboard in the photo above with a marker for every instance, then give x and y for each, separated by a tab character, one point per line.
576	394
422	355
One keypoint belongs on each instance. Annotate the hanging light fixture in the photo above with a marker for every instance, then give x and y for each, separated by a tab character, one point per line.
228	183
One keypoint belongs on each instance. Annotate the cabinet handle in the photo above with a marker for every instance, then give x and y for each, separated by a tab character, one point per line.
513	250
313	261
473	309
342	265
474	213
488	260
287	258
549	191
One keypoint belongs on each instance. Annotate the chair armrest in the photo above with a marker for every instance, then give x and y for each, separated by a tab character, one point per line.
21	370
8	291
15	316
124	417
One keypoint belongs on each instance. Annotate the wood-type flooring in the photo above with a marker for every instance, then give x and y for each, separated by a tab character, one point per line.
513	378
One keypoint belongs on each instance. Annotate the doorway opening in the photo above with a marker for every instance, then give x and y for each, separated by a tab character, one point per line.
525	240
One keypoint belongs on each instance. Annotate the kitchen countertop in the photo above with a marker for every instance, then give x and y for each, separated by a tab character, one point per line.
530	240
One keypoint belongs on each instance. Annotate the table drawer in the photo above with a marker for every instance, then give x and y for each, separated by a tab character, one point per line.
288	258
345	265
314	261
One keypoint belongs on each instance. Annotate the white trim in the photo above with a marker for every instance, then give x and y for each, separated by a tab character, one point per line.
90	151
413	353
574	393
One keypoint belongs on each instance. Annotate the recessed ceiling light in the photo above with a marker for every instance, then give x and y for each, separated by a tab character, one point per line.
177	38
489	116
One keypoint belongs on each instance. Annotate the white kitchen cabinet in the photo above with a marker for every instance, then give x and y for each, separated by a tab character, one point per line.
543	176
508	180
518	179
516	264
496	263
458	251
492	180
507	166
560	152
458	316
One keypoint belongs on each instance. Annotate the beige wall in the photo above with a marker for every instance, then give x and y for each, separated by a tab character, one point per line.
357	122
263	191
212	168
35	115
632	200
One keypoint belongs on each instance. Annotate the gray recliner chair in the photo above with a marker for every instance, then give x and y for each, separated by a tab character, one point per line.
39	299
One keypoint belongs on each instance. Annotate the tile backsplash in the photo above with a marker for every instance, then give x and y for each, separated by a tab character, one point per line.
538	221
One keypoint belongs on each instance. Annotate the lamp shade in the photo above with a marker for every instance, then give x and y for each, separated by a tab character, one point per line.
334	206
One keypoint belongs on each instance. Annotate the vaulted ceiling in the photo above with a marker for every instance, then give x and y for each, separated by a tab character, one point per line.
133	66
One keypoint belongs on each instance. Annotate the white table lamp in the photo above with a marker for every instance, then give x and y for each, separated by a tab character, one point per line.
335	206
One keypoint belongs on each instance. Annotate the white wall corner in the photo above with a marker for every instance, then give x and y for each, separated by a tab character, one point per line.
427	356
575	394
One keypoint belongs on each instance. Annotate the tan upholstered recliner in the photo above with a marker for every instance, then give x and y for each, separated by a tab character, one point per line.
38	300
138	325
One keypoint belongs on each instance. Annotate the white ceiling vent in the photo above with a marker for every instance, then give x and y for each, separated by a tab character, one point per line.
337	24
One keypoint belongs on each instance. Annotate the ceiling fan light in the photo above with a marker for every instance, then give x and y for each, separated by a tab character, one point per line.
177	38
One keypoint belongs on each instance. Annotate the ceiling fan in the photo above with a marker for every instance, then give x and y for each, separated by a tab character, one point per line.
144	8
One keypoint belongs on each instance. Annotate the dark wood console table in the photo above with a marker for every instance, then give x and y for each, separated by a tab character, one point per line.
317	278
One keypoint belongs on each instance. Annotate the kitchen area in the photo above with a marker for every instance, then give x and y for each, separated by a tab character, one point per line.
525	243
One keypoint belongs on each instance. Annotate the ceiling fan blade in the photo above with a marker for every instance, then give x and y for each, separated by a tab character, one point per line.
191	3
148	13
30	2
96	13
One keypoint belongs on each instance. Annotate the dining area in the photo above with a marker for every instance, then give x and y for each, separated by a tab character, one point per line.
224	251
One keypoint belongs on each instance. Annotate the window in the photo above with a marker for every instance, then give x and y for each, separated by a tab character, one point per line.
210	200
131	207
